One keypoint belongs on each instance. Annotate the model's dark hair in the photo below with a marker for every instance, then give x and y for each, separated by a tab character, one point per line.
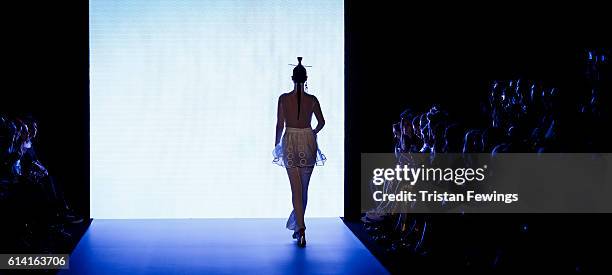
299	76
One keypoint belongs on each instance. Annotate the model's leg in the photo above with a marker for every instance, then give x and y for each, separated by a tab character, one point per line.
296	219
305	173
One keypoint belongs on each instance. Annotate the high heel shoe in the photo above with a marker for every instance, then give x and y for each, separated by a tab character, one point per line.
301	240
295	235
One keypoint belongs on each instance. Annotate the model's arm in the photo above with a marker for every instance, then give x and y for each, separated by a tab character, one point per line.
319	115
280	122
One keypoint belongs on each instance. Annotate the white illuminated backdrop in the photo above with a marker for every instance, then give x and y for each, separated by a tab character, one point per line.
183	105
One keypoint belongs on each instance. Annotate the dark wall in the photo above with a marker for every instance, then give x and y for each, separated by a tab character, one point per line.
412	56
46	68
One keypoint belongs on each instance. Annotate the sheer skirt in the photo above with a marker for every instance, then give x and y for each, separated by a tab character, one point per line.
298	148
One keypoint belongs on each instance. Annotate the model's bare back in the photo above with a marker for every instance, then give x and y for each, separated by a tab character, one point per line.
308	105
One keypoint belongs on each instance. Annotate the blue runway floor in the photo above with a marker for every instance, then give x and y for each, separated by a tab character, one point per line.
219	246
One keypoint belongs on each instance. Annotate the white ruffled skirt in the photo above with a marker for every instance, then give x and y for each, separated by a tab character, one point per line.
298	148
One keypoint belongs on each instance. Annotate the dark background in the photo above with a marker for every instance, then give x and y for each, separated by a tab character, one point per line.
414	55
46	75
405	55
401	55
